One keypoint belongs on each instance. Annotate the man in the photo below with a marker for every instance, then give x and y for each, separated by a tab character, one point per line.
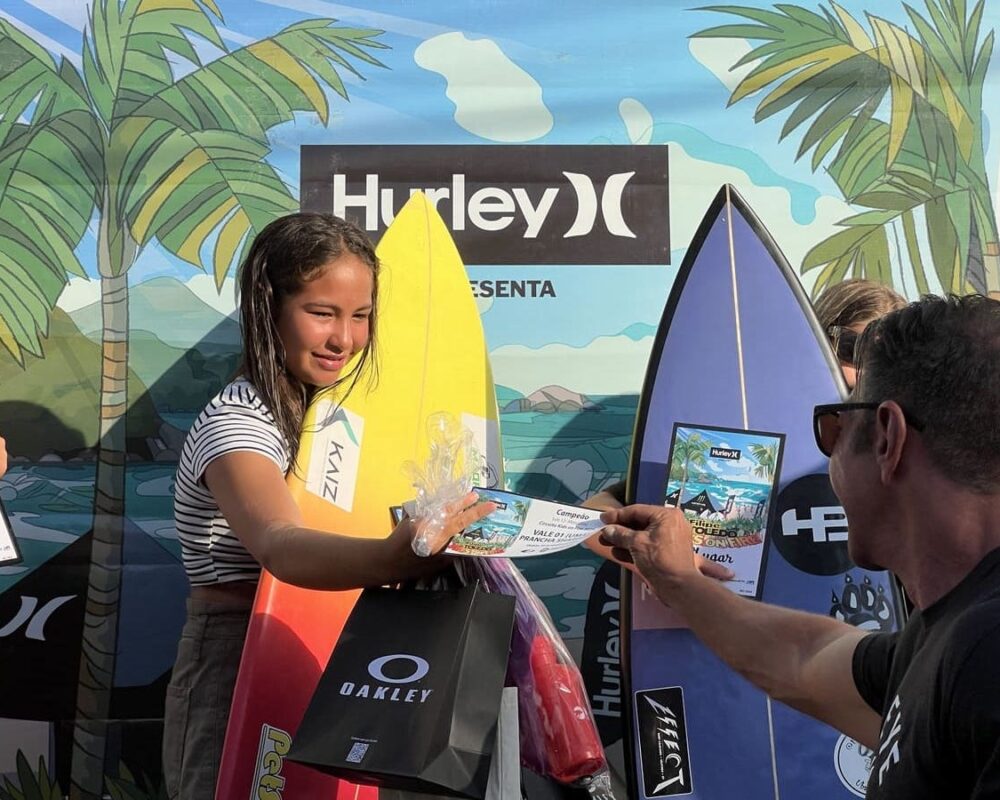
915	460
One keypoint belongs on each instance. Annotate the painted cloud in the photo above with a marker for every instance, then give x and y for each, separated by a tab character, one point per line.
494	98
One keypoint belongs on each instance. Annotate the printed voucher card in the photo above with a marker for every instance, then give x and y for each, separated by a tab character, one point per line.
9	553
724	481
525	526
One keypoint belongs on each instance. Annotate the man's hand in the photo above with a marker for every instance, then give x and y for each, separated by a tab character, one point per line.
3	456
656	539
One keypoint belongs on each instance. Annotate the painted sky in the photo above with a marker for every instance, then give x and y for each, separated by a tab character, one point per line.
549	73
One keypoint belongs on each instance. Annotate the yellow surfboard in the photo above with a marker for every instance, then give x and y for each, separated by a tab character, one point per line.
432	357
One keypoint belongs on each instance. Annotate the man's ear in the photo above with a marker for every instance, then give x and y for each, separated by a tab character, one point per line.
889	439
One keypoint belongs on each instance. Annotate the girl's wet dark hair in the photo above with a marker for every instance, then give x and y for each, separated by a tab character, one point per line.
286	255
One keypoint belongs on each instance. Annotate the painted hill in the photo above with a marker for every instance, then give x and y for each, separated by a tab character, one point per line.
506	395
171	311
550	399
50	406
181	379
638	331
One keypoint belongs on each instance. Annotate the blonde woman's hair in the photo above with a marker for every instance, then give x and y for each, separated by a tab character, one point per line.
853	301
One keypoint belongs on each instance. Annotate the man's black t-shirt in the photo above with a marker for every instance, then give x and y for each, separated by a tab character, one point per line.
936	684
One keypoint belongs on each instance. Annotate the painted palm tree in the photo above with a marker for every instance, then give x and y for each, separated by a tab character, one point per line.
915	162
153	156
520	511
766	456
688	452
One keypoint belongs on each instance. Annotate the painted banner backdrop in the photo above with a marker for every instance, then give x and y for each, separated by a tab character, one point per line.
572	147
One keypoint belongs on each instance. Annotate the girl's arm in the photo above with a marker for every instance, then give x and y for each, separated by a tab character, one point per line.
252	495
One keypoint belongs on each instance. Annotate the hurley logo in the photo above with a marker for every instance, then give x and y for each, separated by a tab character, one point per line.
551	204
493	208
31	619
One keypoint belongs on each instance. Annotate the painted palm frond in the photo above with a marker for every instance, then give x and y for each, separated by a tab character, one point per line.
193	154
766	456
152	156
185	187
127	46
827	67
924	160
688	452
50	156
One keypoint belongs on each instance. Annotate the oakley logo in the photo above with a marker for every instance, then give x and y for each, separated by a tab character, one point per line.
420	668
827	523
33	618
493	208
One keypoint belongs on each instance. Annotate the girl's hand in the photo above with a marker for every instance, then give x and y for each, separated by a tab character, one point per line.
457	517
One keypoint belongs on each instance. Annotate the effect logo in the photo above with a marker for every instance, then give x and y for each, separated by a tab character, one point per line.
663	745
810	527
506	204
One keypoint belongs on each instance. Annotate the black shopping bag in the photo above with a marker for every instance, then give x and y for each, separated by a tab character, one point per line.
411	695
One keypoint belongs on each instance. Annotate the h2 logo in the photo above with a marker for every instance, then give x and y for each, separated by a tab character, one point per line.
810	527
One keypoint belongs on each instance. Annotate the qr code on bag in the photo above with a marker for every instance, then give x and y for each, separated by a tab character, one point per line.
358	750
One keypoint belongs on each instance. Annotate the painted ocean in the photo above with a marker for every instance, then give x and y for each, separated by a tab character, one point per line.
742	493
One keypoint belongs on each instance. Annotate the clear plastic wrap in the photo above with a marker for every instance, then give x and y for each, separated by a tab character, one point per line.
559	737
453	463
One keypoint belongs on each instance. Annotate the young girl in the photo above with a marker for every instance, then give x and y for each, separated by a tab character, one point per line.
308	298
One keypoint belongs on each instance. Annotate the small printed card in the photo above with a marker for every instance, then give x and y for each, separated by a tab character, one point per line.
724	480
9	552
521	526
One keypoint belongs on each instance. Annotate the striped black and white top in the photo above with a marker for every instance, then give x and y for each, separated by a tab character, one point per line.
235	420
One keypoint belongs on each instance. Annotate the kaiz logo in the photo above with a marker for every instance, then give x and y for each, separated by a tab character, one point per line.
510	204
335	456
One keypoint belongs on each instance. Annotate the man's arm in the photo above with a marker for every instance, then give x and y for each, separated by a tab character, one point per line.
803	660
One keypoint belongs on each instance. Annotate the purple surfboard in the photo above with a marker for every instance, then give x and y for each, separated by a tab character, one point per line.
724	429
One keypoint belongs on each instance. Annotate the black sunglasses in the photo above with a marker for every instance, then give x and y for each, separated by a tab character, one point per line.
826	422
844	341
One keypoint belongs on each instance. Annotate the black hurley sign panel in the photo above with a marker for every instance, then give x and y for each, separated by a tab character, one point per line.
506	204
